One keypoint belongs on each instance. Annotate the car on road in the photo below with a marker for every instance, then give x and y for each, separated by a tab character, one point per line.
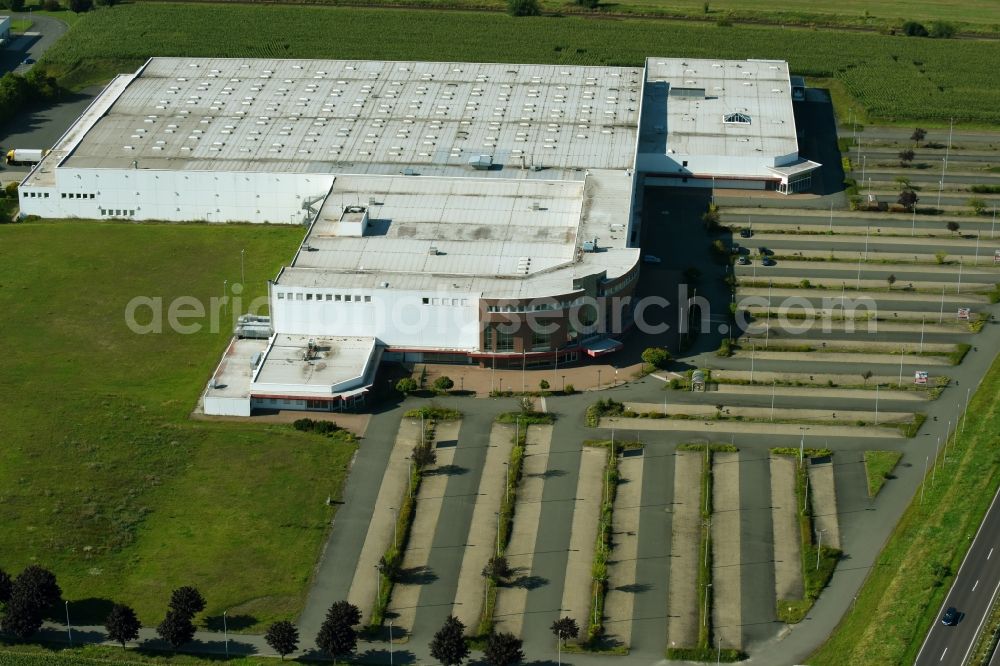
650	259
767	261
743	260
950	617
746	233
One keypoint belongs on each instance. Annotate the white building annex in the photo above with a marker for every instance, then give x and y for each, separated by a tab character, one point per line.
456	212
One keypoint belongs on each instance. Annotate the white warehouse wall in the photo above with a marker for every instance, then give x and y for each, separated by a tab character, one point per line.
182	195
397	318
721	165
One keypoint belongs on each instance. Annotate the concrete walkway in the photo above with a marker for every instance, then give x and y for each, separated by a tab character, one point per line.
406	592
824	503
803	391
787	542
682	622
620	600
382	525
781	414
481	544
508	615
576	597
708	428
727	590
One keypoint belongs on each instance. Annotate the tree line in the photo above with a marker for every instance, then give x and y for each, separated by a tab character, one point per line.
17	92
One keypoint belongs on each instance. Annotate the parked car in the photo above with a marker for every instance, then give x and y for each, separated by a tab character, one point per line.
28	61
650	259
768	261
746	233
951	616
743	260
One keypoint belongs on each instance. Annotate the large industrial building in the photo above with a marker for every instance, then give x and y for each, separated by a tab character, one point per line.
456	212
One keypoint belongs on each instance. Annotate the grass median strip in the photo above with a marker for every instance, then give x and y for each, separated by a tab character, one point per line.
878	467
602	547
907	584
498	569
391	562
818	561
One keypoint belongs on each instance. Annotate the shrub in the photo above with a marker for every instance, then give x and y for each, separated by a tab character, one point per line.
81	6
914	29
443	384
977	205
656	357
523	8
406	385
543	385
51	6
942	30
569	389
725	349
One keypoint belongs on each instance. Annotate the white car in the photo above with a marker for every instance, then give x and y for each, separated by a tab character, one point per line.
650	259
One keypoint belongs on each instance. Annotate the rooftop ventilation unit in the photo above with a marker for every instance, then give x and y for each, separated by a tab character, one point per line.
590	245
433	251
481	162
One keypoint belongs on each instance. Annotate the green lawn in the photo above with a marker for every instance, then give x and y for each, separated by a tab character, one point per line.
893	78
878	466
913	573
104	477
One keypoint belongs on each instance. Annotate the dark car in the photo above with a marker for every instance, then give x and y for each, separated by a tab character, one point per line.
951	616
743	261
28	61
767	261
746	233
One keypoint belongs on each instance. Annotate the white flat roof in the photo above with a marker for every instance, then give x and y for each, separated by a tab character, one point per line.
334	116
338	364
500	238
758	90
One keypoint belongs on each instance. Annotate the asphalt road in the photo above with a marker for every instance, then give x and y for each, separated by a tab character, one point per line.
972	593
43	33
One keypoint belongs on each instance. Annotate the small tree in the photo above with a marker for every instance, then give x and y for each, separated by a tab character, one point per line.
891	280
952	226
503	650
21	618
187	601
176	629
443	384
866	375
80	6
908	199
122	624
977	205
35	588
939	257
337	636
906	157
543	385
448	645
914	29
423	455
497	569
918	135
564	629
5	585
526	404
942	30
16	5
406	385
523	8
283	637
655	357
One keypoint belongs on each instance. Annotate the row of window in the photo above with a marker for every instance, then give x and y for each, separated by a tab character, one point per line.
505	340
117	212
454	302
335	298
535	307
77	195
38	195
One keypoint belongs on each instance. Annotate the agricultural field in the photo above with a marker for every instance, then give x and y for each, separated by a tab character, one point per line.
105	478
893	78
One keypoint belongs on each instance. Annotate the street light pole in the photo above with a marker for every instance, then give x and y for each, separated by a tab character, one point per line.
876	404
819	547
243	275
225	631
704	614
390	642
69	628
774	383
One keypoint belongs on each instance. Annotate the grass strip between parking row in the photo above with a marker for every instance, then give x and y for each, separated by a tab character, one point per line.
816	572
602	548
521	421
908	582
878	467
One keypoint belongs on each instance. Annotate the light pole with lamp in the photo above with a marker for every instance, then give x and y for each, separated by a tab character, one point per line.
704	614
69	628
225	631
819	546
243	275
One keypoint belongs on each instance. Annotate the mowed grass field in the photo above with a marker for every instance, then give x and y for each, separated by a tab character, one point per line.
907	585
103	477
893	78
